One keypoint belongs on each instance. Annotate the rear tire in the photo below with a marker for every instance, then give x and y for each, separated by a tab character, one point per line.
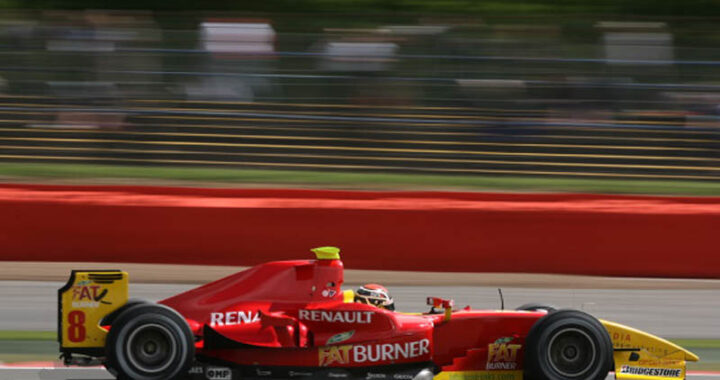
109	319
149	342
568	345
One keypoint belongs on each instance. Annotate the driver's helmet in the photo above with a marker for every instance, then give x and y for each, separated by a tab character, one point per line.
376	295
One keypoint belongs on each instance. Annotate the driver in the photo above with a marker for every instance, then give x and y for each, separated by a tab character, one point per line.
376	295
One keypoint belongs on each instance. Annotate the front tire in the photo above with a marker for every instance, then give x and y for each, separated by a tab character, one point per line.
150	342
537	307
568	345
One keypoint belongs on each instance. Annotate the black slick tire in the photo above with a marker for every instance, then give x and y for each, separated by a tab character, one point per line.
149	342
568	345
110	318
537	307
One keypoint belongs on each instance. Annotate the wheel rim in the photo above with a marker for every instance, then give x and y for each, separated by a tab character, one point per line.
151	348
572	352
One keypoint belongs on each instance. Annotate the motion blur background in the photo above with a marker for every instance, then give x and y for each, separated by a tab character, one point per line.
593	96
572	89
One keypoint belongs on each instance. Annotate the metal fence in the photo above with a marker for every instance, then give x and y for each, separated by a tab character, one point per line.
456	96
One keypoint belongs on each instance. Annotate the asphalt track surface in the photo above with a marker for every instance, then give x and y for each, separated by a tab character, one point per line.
687	313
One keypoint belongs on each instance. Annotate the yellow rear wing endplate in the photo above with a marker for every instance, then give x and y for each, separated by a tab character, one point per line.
87	297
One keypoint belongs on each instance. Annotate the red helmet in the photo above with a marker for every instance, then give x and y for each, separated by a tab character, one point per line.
376	295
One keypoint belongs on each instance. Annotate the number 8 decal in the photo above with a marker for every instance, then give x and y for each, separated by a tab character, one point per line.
76	327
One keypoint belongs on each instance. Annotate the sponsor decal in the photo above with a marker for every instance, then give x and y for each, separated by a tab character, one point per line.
196	370
342	375
659	362
502	354
229	318
86	304
334	354
343	336
486	375
364	353
402	376
86	295
299	374
328	293
620	336
361	317
261	372
390	351
371	375
650	371
218	373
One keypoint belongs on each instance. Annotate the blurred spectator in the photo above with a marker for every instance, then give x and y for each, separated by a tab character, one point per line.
235	47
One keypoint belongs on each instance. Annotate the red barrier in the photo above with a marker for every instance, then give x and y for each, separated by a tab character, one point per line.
423	231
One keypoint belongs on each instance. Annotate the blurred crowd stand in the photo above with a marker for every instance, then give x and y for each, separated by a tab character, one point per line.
583	69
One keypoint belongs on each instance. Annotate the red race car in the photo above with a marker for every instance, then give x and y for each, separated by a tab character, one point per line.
290	319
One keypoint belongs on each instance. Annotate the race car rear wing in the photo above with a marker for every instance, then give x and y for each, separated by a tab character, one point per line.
87	297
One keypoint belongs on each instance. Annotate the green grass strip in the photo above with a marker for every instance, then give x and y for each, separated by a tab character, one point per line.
27	335
228	176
